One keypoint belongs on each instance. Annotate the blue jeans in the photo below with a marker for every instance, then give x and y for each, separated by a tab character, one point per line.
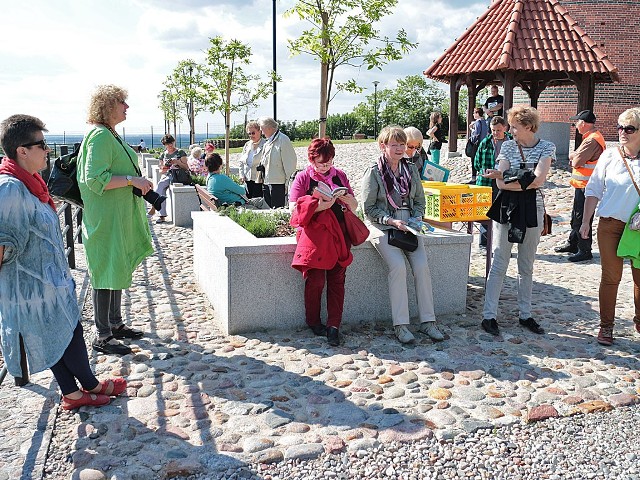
501	256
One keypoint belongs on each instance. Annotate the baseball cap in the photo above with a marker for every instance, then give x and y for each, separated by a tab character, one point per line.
585	115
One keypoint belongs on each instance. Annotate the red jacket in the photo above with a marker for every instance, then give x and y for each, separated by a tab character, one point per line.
321	243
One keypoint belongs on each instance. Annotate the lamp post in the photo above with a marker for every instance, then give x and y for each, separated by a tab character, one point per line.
375	108
192	133
275	84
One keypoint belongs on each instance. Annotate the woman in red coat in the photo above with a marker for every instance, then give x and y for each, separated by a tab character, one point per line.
323	251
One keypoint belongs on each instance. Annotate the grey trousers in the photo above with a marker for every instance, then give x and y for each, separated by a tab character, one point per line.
107	306
501	256
394	257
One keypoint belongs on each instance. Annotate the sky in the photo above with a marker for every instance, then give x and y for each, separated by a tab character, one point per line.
55	52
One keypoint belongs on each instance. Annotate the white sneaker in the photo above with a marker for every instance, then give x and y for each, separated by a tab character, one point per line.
430	328
403	334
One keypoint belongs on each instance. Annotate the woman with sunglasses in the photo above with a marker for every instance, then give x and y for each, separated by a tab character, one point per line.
250	159
38	306
414	152
115	229
611	189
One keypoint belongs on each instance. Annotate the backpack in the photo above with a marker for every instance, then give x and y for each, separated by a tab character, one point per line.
63	179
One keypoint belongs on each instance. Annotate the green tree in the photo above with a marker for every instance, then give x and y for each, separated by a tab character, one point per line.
169	104
342	33
340	125
411	102
187	78
229	87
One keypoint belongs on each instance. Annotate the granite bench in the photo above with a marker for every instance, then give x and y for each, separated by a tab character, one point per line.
251	285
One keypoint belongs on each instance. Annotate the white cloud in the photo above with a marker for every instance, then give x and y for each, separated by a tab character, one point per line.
55	53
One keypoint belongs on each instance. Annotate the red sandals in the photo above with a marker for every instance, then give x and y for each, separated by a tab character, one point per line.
87	399
112	387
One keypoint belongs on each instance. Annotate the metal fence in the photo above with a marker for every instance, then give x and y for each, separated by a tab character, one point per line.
69	215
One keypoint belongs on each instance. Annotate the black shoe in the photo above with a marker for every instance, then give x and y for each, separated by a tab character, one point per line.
490	326
566	248
319	330
125	332
112	346
333	336
532	325
581	256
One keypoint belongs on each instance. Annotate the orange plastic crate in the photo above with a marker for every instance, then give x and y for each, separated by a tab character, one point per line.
452	202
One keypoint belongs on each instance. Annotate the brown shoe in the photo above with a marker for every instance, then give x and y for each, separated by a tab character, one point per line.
605	336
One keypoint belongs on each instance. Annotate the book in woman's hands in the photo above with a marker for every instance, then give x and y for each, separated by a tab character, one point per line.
327	191
418	227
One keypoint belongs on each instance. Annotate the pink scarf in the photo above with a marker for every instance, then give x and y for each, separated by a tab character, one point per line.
34	183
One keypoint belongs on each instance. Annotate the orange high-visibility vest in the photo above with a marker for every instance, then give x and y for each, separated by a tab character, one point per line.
580	176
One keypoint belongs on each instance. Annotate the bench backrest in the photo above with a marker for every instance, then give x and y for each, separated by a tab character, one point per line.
208	202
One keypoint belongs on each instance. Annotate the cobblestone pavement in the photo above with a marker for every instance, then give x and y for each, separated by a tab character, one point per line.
200	404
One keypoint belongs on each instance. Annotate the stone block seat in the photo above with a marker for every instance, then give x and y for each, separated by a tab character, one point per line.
251	285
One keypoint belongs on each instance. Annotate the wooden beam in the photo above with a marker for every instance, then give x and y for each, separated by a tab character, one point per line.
454	96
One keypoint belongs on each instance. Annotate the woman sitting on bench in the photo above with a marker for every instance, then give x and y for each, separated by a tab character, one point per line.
226	190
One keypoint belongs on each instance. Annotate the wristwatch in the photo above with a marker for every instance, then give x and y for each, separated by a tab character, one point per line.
129	178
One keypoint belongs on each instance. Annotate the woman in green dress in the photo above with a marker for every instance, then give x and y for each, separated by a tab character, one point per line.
115	230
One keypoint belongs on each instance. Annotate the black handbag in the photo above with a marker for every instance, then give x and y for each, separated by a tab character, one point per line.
401	239
63	179
470	149
180	175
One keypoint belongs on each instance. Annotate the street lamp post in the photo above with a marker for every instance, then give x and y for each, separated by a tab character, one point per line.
192	133
275	84
375	108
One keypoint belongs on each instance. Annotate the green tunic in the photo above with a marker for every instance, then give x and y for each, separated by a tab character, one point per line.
115	230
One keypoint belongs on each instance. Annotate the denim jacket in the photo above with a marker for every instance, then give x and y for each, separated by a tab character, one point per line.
37	292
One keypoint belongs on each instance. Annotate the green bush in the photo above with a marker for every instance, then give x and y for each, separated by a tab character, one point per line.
199	180
261	225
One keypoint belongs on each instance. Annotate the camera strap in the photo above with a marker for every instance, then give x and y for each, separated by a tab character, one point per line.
115	134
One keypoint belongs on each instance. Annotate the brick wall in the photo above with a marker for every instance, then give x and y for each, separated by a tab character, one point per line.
608	23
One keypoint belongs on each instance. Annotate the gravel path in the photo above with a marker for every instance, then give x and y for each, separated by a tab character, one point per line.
284	405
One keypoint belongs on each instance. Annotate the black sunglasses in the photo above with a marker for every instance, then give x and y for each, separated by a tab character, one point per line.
628	129
41	143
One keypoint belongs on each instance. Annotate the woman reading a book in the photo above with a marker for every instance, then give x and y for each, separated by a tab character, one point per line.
393	201
318	196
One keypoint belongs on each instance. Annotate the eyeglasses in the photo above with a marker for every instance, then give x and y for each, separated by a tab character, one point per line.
252	133
41	143
413	147
628	129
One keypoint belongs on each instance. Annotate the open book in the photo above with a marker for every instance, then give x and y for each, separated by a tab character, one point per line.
418	227
327	191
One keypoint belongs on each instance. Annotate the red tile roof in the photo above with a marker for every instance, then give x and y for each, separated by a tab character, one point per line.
524	35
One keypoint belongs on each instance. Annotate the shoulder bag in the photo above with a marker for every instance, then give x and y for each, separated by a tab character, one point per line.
63	179
356	229
403	240
180	175
634	221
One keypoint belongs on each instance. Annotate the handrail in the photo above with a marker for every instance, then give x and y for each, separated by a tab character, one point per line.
69	238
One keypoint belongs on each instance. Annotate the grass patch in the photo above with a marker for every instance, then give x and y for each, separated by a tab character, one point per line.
261	225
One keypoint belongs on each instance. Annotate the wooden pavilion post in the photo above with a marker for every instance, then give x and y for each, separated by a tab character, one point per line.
454	96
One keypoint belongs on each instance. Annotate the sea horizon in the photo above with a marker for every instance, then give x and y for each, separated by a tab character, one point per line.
151	141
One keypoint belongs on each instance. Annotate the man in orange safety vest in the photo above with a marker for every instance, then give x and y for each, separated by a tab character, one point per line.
583	161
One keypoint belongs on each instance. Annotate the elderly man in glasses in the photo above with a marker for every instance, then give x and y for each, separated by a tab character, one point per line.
583	161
